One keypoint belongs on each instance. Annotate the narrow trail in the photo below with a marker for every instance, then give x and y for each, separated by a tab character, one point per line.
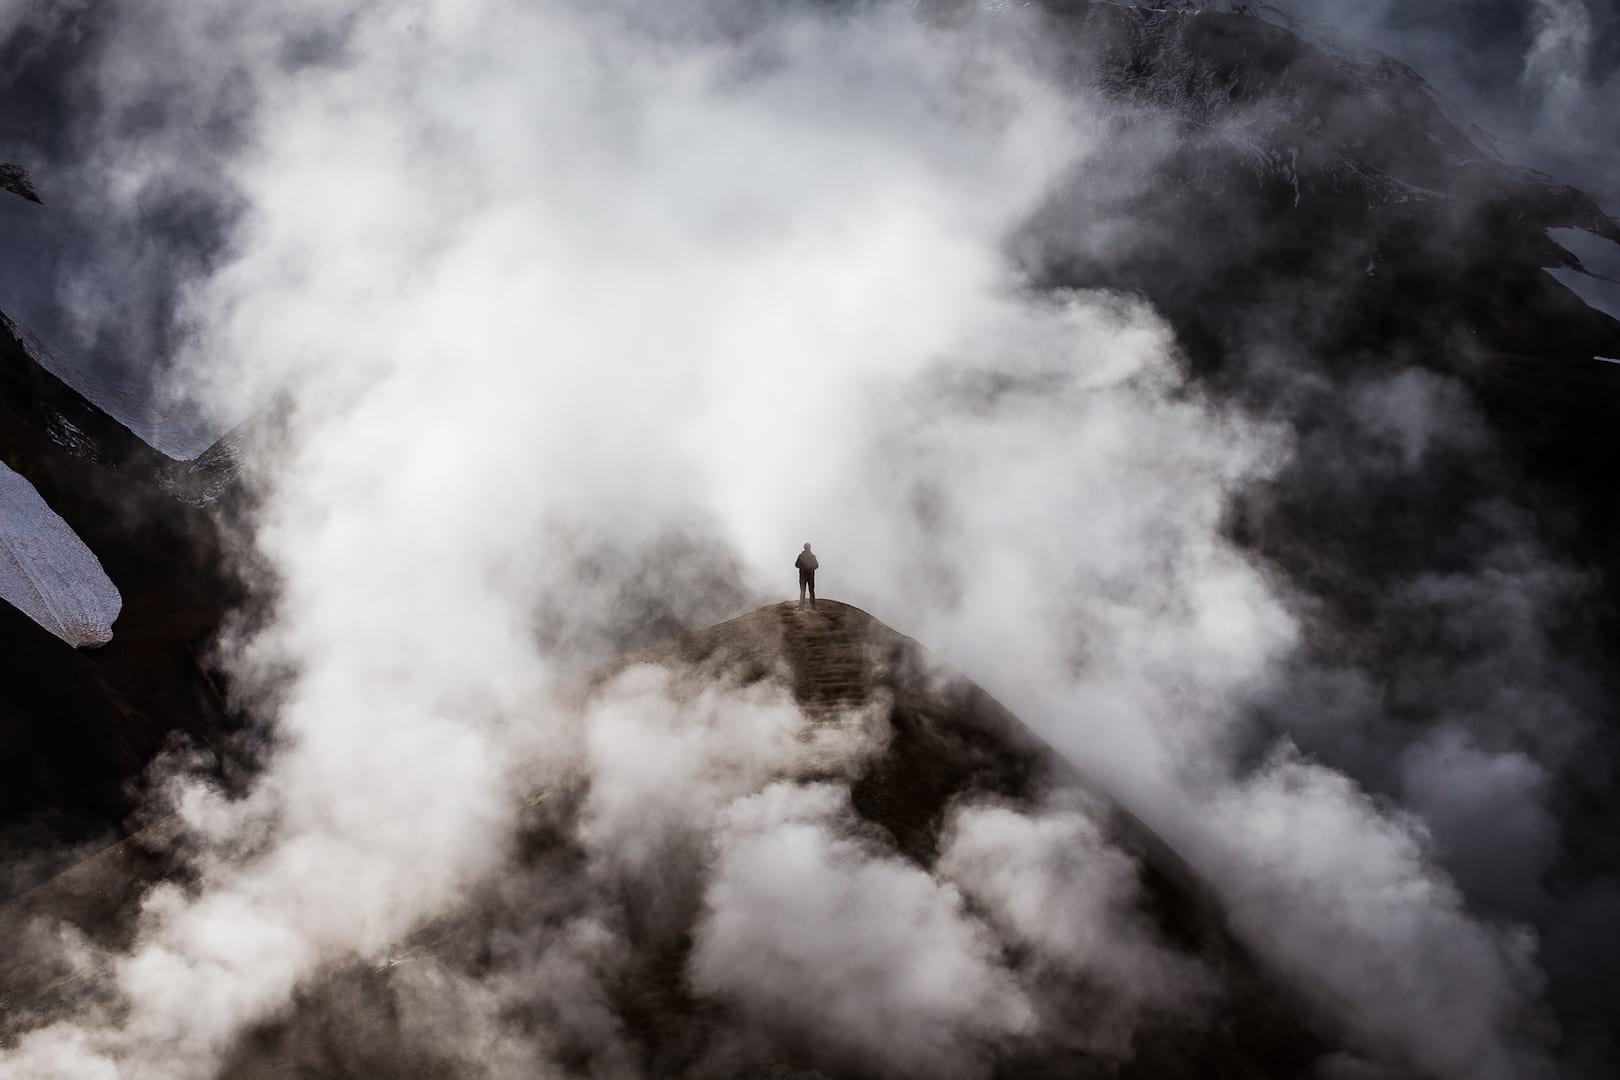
829	652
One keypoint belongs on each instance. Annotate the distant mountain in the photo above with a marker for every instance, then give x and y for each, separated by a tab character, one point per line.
1336	191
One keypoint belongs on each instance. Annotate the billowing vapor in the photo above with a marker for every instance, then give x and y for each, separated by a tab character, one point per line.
882	960
577	312
1555	65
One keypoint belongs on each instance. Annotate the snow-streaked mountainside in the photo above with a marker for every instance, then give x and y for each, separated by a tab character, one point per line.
98	413
56	308
1303	188
1600	294
47	572
1294	102
1596	277
14	178
1599	256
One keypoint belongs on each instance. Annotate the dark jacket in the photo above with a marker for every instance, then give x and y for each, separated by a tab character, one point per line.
807	562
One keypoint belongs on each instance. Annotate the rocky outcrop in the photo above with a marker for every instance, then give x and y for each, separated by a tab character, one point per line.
14	178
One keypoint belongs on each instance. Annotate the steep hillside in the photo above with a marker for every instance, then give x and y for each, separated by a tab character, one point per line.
82	725
910	752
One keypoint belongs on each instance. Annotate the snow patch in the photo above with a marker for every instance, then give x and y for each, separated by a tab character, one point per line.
1600	294
1599	256
47	572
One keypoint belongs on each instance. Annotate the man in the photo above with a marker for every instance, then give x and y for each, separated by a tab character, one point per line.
807	575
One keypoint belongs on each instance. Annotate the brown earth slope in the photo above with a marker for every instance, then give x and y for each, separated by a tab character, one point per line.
945	740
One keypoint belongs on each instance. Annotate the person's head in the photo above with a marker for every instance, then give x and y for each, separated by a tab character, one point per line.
807	547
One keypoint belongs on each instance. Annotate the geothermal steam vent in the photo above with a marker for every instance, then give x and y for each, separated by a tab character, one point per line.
862	797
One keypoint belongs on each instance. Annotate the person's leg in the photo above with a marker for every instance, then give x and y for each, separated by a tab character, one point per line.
812	584
801	589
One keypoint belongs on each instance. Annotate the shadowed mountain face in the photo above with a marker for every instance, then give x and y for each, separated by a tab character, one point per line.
889	765
77	727
1341	252
1310	195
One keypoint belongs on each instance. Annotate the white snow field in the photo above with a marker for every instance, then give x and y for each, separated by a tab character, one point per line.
1599	255
1599	287
1599	293
47	572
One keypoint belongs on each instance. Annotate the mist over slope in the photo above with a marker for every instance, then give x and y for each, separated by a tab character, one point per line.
845	859
1196	388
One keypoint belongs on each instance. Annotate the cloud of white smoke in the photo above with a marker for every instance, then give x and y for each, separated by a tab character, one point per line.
534	281
1060	886
1344	895
1556	62
813	930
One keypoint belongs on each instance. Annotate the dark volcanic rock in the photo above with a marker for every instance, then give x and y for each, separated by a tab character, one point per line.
14	178
80	727
1301	191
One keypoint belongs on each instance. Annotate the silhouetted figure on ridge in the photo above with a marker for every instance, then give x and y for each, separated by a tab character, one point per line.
807	564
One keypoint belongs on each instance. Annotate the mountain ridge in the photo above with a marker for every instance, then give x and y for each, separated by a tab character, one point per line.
947	744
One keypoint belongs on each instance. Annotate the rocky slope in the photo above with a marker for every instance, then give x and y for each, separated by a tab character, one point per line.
14	178
78	727
905	748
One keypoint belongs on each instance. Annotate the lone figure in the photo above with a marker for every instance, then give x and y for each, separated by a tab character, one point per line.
807	564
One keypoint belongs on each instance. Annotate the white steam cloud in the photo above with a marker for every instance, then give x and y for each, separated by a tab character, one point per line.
1560	47
1057	886
537	281
881	960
